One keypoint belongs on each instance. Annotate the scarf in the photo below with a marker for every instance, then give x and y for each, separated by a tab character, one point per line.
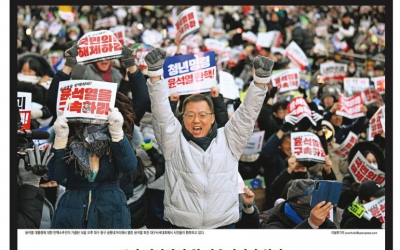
93	139
296	212
106	75
25	78
203	142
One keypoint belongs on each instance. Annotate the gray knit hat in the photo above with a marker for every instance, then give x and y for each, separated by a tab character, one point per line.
301	189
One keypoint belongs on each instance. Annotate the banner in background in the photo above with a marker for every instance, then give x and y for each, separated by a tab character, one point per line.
350	106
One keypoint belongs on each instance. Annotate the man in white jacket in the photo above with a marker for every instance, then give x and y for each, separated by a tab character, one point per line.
201	160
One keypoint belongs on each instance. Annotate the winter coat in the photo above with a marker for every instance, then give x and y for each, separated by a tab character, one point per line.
342	131
201	186
91	73
279	220
302	38
350	221
108	208
30	205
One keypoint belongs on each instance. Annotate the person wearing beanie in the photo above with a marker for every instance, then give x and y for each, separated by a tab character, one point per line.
328	98
296	212
368	191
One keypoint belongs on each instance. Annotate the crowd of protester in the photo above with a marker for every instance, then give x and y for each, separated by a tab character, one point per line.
173	161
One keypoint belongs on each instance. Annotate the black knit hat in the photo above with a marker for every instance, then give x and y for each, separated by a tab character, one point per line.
370	189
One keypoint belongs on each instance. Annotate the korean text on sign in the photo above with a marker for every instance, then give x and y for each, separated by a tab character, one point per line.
343	150
299	107
98	45
377	209
187	22
86	101
307	146
350	107
287	80
362	171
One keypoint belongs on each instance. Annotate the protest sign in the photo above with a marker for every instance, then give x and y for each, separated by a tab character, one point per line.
321	31
119	33
333	71
211	44
241	184
217	33
296	55
24	100
187	22
379	83
171	30
268	39
56	59
227	85
306	146
376	123
98	46
86	101
171	50
300	108
250	37
350	106
361	170
338	43
356	84
106	22
371	96
254	144
376	208
234	56
225	55
286	80
343	150
42	144
152	37
141	51
191	73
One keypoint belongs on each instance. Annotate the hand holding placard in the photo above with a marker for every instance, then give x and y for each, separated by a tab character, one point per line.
70	56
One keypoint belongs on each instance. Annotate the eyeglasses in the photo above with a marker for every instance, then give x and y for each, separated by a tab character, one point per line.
201	115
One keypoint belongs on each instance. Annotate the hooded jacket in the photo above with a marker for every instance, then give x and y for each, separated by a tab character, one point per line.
201	185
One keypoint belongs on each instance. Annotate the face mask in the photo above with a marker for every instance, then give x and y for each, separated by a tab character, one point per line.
370	73
352	70
73	37
374	165
299	175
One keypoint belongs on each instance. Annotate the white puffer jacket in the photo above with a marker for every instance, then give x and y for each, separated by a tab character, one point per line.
201	187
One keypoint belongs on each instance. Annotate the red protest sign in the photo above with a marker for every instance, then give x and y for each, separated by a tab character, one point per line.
287	80
296	55
356	84
187	22
361	170
376	124
97	46
307	146
379	83
333	71
343	150
86	101
371	96
119	33
299	107
350	107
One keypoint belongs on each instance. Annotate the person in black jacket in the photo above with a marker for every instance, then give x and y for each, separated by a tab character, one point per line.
368	191
300	36
296	212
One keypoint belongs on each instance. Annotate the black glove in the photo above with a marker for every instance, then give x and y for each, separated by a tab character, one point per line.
318	120
288	122
273	92
70	56
302	91
155	60
127	57
33	164
375	223
262	69
46	112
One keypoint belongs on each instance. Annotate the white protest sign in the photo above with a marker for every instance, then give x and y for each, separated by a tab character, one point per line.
299	107
119	33
376	123
356	84
371	96
296	55
321	31
86	101
343	150
187	22
171	50
286	80
379	83
225	55
98	45
24	100
255	143
377	208
350	106
265	39
241	184
361	170
249	36
106	22
191	73
337	42
307	146
333	70
211	44
152	37
227	85
217	33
